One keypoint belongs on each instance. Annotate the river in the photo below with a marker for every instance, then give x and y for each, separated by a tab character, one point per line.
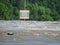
29	38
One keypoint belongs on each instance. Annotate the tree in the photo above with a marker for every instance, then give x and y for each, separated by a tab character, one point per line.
39	9
55	15
4	12
16	14
46	18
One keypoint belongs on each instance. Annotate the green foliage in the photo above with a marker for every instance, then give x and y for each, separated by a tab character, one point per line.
8	11
4	12
55	15
45	10
46	18
42	10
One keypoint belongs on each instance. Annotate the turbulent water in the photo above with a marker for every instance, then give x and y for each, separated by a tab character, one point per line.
29	37
29	25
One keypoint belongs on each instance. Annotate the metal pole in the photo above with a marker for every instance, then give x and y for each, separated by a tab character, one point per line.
24	4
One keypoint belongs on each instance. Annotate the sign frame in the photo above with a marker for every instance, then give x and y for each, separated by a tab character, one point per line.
24	14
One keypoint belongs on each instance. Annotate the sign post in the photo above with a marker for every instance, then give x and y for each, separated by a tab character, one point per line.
25	5
24	14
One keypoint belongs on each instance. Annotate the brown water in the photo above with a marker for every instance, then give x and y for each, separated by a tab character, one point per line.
29	38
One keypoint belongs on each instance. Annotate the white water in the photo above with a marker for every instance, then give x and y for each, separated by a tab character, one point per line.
29	25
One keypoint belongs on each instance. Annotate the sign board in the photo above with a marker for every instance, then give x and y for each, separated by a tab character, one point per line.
24	14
